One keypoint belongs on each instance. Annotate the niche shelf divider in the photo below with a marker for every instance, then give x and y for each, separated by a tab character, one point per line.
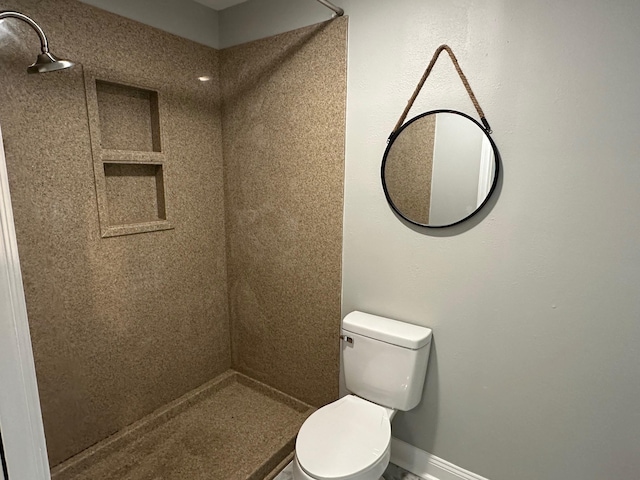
129	154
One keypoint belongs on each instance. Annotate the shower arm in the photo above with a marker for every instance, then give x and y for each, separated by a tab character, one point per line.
44	43
338	11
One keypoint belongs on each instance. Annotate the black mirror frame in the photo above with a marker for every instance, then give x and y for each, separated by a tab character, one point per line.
393	137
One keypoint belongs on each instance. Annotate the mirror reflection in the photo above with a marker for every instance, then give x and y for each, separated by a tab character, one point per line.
439	169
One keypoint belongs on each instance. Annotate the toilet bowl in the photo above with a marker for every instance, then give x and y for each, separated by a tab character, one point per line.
354	433
385	362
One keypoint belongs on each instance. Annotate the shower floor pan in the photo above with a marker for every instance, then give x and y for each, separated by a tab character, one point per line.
231	428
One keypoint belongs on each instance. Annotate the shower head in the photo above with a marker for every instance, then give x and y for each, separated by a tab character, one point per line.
46	61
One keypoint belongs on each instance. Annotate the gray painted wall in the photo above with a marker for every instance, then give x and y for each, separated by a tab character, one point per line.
259	19
184	18
534	305
219	29
535	310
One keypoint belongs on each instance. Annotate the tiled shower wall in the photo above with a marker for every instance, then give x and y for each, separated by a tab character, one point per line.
125	324
284	121
121	325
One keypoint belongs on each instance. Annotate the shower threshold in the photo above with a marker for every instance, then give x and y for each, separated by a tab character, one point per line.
231	428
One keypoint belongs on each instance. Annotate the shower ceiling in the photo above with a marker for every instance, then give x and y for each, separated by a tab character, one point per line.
220	4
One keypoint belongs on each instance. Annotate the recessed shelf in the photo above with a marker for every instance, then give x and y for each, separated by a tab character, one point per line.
128	117
135	193
129	161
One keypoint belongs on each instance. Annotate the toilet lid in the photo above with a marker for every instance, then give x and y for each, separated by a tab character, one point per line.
343	438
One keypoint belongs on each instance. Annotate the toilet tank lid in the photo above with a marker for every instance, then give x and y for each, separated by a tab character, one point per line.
387	330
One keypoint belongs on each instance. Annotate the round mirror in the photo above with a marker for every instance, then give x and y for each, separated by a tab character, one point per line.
439	168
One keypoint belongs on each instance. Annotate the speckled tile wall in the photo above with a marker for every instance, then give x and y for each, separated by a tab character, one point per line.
122	325
284	120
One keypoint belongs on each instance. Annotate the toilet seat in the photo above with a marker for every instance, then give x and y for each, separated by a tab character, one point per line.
344	439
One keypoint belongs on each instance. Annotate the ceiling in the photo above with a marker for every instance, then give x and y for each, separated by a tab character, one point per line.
220	4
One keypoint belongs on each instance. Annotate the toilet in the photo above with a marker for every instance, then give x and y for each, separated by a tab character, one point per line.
385	364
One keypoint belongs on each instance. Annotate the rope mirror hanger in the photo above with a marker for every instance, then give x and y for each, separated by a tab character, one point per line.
426	74
440	167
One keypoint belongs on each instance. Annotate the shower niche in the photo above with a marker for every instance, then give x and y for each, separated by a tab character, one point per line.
129	157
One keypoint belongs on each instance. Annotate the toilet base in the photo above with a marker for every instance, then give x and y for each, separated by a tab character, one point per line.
373	473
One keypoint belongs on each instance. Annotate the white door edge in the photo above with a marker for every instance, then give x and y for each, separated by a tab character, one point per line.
20	415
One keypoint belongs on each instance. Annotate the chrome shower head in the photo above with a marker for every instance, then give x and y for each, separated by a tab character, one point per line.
46	61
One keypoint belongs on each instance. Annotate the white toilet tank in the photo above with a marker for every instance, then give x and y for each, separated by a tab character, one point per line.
385	360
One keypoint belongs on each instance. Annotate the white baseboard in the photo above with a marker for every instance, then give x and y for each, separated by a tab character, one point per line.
426	465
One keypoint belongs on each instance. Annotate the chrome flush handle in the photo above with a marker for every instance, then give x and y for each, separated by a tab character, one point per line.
347	339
